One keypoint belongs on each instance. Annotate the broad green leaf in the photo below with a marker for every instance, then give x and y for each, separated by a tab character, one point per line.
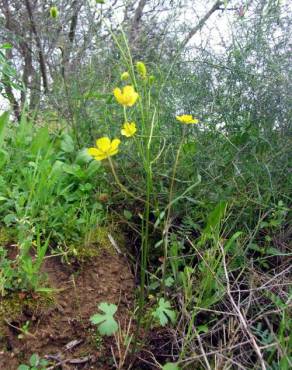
34	360
23	367
128	215
67	144
190	147
82	157
202	329
106	322
3	122
164	313
6	46
171	366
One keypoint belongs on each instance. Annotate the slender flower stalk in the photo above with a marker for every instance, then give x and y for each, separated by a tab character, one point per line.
122	187
169	209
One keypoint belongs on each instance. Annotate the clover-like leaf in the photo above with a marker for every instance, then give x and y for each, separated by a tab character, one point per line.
23	367
106	322
164	312
34	360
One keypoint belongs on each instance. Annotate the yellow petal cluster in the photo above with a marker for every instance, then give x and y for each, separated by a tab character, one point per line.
129	129
187	119
127	96
104	148
142	70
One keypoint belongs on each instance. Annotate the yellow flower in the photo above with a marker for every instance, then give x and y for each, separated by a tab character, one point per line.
141	68
127	96
187	119
129	129
104	148
125	76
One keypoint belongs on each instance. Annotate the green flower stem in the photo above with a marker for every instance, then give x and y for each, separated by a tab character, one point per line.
122	187
169	208
125	114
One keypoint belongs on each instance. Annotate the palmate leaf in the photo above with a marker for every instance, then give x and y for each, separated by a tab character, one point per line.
164	313
106	322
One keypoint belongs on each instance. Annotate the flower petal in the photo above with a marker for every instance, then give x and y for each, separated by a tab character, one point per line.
118	95
124	132
103	144
114	152
115	144
100	156
93	151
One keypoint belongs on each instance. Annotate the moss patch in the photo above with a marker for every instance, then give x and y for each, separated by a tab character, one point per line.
96	242
13	306
6	236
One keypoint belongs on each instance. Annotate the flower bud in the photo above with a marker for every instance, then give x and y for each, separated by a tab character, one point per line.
151	79
54	13
125	76
141	69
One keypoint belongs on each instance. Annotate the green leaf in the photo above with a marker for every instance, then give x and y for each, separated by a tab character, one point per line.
67	144
44	363
128	215
23	367
9	218
6	46
169	281
107	325
190	147
273	251
171	366
82	157
164	313
34	360
202	329
3	122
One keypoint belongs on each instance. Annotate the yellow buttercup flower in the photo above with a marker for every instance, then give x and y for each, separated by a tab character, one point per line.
125	76
104	148
129	129
187	119
127	96
142	70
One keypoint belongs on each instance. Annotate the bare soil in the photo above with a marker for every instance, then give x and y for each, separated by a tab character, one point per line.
78	291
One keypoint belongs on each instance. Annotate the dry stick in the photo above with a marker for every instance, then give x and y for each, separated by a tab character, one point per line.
199	340
240	315
202	350
231	360
39	45
20	329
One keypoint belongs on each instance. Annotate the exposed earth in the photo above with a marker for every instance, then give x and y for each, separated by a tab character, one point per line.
60	330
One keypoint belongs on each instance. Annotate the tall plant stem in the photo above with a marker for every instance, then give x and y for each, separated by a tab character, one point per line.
145	241
169	208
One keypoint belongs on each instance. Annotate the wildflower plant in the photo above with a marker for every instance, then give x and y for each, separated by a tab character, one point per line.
137	101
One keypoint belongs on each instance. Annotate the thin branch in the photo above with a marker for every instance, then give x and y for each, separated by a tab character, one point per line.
202	21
